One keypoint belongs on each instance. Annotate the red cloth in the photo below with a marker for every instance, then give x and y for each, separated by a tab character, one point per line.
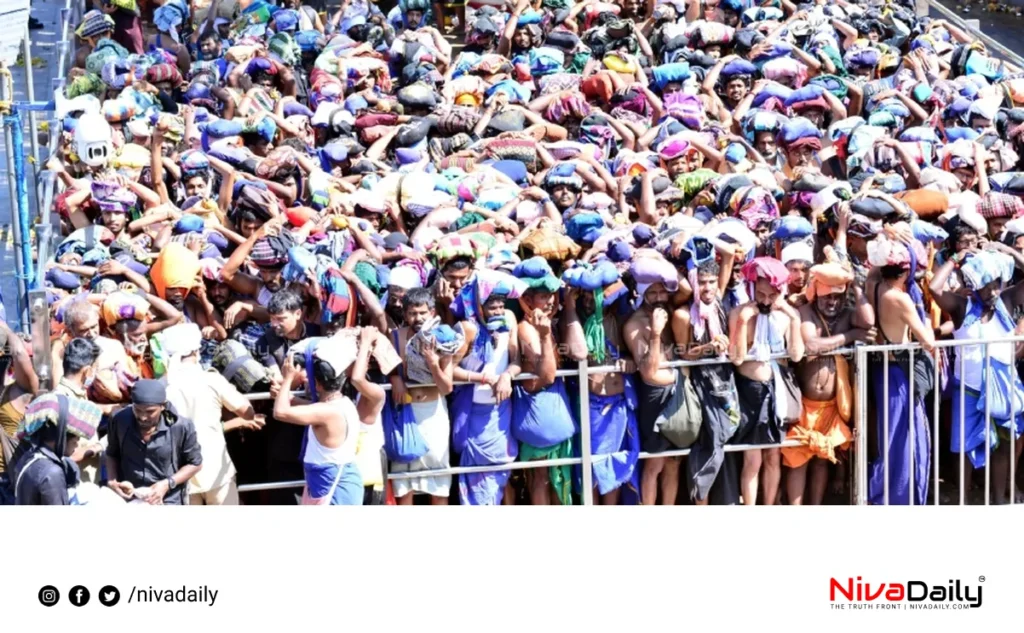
598	87
767	268
807	141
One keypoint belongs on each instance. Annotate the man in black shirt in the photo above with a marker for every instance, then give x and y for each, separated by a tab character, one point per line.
286	328
150	446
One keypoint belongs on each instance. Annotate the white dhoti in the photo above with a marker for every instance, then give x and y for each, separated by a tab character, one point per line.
435	427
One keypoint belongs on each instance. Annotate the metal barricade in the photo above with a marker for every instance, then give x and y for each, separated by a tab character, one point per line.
587	458
876	475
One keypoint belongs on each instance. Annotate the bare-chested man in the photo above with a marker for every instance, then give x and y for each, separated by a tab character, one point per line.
427	404
541	419
889	289
767	325
651	345
594	333
828	322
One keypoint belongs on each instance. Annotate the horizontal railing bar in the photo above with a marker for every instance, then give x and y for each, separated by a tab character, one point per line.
899	347
540	463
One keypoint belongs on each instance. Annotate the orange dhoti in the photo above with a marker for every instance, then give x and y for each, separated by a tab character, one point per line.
821	429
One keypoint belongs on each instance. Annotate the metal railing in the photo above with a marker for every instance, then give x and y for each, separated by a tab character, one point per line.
587	458
863	354
951	16
38	310
22	171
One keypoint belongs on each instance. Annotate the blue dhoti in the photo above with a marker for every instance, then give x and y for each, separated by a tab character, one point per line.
614	440
482	436
902	414
1003	387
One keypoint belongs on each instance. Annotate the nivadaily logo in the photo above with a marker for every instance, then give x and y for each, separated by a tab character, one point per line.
912	594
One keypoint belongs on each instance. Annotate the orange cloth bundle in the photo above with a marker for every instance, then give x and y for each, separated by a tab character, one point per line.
176	267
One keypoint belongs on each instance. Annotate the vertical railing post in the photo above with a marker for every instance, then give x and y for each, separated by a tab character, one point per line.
985	382
885	428
1013	428
30	90
910	419
587	494
963	393
860	448
935	431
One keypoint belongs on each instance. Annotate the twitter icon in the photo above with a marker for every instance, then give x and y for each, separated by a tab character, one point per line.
109	596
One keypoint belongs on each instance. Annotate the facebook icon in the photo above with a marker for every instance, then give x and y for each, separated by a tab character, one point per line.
79	596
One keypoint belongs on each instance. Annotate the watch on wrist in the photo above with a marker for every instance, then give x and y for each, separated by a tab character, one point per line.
170	483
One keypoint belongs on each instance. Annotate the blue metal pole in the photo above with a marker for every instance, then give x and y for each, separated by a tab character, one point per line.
22	242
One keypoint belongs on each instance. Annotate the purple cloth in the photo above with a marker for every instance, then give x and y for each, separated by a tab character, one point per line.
899	441
482	434
613	432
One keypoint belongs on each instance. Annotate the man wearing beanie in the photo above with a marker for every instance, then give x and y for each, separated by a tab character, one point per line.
151	452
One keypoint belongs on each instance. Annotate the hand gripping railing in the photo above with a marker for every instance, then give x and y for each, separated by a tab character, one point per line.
586	459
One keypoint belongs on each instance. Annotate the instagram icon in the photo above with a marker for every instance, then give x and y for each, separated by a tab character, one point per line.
49	596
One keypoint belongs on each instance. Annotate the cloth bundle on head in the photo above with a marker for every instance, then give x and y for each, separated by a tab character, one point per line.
536	274
928	233
337	351
83	417
169	17
593	279
94	23
272	250
927	204
650	270
549	243
175	267
792	227
193	162
935	179
808	98
445	340
485	283
405	277
455	245
985	267
785	70
1000	205
585	227
799	132
118	110
798	252
768	268
958	155
564	174
883	251
112	198
826	279
675	146
755	206
159	73
122	305
179	341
